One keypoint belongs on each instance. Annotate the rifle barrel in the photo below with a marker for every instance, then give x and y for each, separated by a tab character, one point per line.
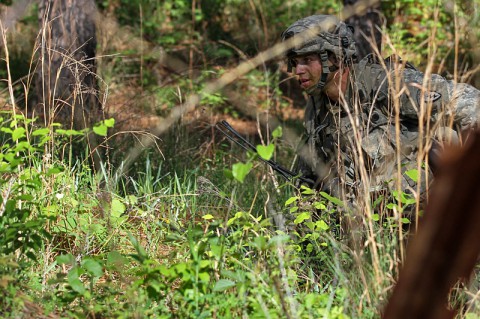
238	139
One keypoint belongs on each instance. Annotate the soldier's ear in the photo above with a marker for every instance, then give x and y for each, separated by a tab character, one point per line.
333	58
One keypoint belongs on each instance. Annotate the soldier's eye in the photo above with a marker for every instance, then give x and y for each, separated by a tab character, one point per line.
299	61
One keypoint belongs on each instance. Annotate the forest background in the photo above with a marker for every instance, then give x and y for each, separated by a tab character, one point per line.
146	210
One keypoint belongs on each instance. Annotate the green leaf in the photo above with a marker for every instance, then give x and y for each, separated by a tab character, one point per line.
310	225
100	129
168	272
41	132
117	208
31	255
44	140
116	260
22	146
141	253
223	284
19	132
68	132
301	217
260	242
234	218
266	152
332	199
93	267
240	171
181	268
291	200
410	201
378	201
4	166
204	277
207	216
375	217
306	190
228	173
413	174
405	198
51	210
65	259
278	132
132	199
237	276
53	170
109	122
322	225
204	264
278	240
25	197
74	281
319	205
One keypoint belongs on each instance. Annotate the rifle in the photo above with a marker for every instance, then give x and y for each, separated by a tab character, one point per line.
227	130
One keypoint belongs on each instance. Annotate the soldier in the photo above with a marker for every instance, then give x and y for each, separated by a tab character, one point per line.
367	121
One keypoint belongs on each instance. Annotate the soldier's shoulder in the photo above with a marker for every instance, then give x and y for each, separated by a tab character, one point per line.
368	75
389	62
370	65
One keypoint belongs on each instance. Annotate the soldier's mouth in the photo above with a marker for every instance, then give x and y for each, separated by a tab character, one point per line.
304	82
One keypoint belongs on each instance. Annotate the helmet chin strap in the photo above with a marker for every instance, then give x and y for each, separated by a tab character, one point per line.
325	70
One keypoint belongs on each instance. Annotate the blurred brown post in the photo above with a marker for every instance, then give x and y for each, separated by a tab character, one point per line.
447	244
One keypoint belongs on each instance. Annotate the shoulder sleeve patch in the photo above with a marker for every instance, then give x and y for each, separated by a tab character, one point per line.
432	96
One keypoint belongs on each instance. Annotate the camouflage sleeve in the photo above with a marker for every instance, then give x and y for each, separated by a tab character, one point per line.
464	104
439	99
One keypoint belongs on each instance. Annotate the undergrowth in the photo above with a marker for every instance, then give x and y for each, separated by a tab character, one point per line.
169	245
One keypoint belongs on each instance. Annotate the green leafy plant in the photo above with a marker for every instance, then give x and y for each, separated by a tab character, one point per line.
240	170
21	178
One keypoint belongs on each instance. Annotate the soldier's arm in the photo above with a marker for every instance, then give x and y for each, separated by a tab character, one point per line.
439	99
463	105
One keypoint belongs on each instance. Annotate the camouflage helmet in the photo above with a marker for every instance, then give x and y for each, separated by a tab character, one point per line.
332	35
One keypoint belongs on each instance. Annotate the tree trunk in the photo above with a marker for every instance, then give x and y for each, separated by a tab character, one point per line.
367	24
66	85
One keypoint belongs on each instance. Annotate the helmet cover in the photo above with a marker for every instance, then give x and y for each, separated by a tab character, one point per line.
332	35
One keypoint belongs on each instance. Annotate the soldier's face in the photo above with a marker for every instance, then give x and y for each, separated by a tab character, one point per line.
308	70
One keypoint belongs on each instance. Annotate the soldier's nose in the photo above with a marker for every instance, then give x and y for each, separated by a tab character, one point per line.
299	70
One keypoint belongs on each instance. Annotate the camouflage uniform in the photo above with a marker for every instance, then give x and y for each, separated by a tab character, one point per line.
361	131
